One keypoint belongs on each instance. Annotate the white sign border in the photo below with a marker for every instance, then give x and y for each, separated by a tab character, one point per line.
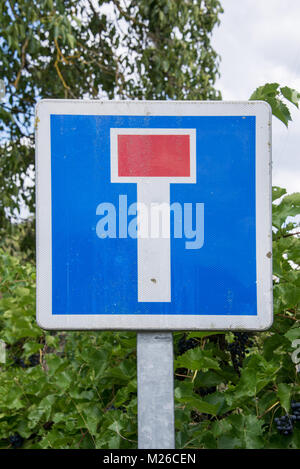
261	110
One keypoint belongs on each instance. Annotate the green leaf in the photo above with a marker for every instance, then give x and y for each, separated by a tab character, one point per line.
208	379
220	427
197	359
291	95
253	433
200	405
64	379
218	399
91	416
254	377
284	395
272	93
277	192
31	348
229	442
293	334
41	411
273	344
265	91
288	207
279	109
184	394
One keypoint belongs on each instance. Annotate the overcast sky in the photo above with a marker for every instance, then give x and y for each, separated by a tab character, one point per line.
259	42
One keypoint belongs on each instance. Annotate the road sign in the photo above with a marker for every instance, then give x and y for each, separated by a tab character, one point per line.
154	215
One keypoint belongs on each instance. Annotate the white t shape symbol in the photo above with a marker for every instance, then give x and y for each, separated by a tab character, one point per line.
153	159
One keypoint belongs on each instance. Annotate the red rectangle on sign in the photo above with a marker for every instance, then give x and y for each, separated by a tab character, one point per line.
154	155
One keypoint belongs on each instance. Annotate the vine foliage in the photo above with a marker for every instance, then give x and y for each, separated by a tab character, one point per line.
78	389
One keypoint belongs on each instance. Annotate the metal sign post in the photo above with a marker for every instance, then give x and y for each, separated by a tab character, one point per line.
155	390
154	217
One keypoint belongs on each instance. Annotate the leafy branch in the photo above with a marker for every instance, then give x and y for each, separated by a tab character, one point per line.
275	95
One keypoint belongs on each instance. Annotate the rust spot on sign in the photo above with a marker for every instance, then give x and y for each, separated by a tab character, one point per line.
36	122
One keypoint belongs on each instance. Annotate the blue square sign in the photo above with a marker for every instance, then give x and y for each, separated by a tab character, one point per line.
154	215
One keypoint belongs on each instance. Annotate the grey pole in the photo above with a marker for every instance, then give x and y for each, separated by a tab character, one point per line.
155	390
